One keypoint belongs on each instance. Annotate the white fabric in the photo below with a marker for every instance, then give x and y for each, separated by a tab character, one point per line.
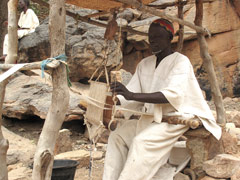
27	20
137	149
175	78
138	155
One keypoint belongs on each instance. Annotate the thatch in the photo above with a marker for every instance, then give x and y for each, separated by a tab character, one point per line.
99	4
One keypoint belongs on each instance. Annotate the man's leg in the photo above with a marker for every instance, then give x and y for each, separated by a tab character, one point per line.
150	150
118	145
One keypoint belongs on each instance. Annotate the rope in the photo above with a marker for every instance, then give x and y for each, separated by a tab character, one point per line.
62	58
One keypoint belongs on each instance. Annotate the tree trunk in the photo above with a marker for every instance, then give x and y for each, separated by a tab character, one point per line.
12	37
208	64
43	160
12	32
3	18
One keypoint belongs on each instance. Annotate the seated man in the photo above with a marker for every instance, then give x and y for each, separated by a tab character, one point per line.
163	83
27	23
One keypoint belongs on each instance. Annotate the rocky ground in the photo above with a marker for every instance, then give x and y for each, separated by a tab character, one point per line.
25	133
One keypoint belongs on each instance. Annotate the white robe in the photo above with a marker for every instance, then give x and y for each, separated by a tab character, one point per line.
175	78
137	149
27	20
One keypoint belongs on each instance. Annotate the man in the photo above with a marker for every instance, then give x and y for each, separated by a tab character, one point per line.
163	83
27	23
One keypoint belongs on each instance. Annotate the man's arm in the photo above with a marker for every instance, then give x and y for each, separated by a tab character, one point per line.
155	98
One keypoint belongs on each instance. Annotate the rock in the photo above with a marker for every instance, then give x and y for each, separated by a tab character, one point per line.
233	117
236	175
131	61
85	48
202	146
181	176
33	98
121	76
97	155
82	156
63	143
229	143
222	166
224	50
210	178
19	172
20	149
126	14
143	26
122	22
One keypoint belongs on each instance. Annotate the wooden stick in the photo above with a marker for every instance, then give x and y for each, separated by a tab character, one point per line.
29	66
99	14
181	27
169	4
11	58
176	3
140	6
193	123
208	64
77	17
43	159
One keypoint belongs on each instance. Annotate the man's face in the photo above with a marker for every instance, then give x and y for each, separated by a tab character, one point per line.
21	4
158	37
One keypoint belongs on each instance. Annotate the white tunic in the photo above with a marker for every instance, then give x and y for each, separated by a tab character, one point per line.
27	20
175	78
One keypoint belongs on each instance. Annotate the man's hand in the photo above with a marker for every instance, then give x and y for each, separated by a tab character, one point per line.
120	89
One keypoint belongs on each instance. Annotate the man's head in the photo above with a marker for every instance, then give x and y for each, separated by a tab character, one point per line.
160	34
23	4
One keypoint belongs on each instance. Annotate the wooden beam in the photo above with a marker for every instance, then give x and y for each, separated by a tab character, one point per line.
208	64
181	27
86	19
43	159
140	6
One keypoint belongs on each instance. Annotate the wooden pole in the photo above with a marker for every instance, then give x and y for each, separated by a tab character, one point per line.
208	64
43	159
181	27
11	58
140	6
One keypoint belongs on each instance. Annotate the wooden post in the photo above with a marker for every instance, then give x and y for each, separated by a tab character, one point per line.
181	27
12	32
208	64
43	159
11	58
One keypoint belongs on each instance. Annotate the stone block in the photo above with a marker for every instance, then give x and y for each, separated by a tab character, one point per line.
222	166
64	142
202	146
181	176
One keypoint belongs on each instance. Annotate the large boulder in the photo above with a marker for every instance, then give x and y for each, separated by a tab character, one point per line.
85	48
28	96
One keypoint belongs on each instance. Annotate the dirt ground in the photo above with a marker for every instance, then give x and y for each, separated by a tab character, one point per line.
31	129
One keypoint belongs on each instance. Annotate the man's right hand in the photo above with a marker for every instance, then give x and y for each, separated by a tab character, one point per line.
120	89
